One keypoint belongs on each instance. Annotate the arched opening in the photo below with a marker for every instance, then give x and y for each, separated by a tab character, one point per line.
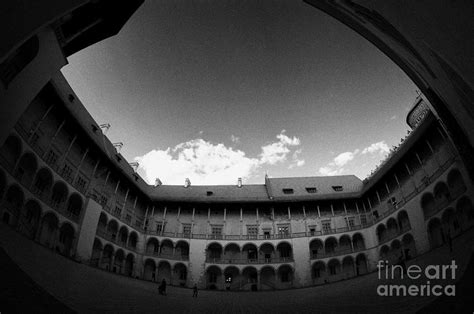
358	242
266	252
392	228
180	274
129	262
11	151
164	272
409	247
249	253
26	169
102	225
348	267
330	246
182	250
132	240
43	183
249	278
384	250
344	244
361	264
214	253
456	183
123	236
152	247
66	239
441	194
435	233
96	253
319	273
450	222
285	252
119	260
316	248
30	219
231	278
403	221
107	256
395	253
12	204
428	205
166	248
213	278
59	195
49	228
465	209
112	229
74	206
267	278
285	277
149	270
334	267
232	253
381	232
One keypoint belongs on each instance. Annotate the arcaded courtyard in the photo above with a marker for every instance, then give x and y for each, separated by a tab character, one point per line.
59	284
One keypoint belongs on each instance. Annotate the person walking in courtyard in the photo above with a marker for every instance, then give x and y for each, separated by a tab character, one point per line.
195	291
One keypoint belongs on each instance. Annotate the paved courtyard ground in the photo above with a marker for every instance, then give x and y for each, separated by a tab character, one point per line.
53	283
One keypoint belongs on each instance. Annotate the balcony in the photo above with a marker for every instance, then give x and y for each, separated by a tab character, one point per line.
274	260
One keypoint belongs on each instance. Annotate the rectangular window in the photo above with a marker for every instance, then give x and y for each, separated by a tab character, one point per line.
186	230
326	226
159	227
312	230
51	158
363	220
117	211
252	231
350	222
311	190
337	188
283	230
216	232
288	191
266	233
66	173
81	184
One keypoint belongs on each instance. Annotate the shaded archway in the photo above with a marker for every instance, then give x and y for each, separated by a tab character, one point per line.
122	238
266	252
456	182
164	272
384	250
49	227
319	273
465	209
403	221
166	248
102	224
428	205
250	253
182	250
285	251
395	253
441	195
30	219
180	274
267	278
11	151
285	276
409	247
43	183
213	278
129	263
26	169
348	267
344	244
249	278
358	242
232	253
381	232
66	238
435	233
112	229
214	252
392	228
152	246
232	278
107	257
59	195
12	204
334	267
361	264
74	206
119	260
450	222
132	240
316	248
96	253
330	246
149	270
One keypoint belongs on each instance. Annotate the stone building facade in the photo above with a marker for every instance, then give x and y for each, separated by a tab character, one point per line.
66	186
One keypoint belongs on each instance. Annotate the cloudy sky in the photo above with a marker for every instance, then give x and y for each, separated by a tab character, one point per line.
213	90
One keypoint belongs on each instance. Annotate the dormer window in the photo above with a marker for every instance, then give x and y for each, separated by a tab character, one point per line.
337	188
311	190
209	193
288	191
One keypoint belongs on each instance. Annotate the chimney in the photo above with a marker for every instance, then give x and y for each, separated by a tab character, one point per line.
134	165
105	127
158	182
118	146
239	182
187	183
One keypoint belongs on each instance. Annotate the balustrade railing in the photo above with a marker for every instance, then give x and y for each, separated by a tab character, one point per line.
225	260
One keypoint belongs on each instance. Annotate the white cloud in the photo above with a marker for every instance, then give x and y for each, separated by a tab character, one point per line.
379	147
296	162
235	139
393	117
343	158
330	171
208	163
